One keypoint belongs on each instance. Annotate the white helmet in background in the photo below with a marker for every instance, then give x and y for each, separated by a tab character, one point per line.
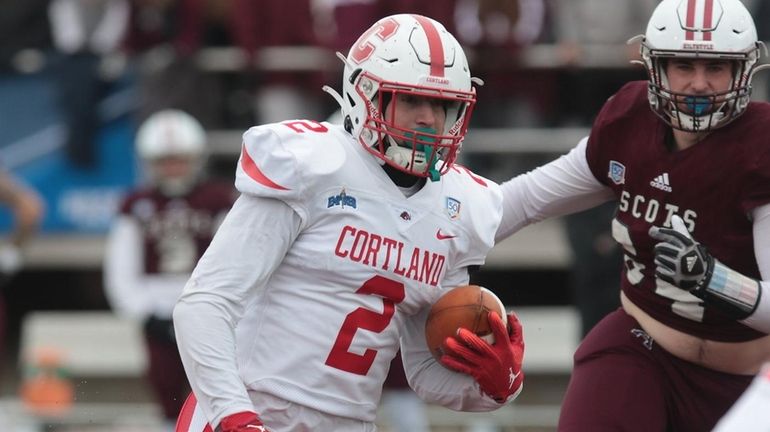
414	55
700	29
172	134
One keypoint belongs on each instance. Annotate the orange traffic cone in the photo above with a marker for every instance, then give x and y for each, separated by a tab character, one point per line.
46	389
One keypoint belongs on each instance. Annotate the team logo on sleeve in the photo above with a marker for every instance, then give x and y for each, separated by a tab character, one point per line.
342	199
617	172
452	208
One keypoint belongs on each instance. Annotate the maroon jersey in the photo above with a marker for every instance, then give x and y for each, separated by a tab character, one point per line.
712	185
178	230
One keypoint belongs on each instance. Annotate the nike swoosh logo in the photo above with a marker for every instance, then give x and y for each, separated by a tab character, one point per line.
441	236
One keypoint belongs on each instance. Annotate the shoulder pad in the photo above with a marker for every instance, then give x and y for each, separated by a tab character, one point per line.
281	160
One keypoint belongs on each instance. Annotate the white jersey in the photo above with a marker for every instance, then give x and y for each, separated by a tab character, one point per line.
749	414
319	319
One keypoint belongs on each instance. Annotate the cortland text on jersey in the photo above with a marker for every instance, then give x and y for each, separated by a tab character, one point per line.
650	209
389	254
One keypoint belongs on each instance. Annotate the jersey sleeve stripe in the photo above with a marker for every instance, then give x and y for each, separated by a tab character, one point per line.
250	167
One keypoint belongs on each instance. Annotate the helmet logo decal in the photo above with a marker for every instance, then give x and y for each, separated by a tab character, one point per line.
434	45
251	168
363	48
707	28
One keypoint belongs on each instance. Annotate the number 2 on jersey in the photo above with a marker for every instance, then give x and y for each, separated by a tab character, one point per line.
392	293
300	126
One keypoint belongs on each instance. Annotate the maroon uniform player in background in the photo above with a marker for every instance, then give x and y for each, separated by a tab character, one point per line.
686	156
156	240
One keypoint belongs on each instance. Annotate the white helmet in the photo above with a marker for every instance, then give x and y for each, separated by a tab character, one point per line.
703	29
415	55
172	133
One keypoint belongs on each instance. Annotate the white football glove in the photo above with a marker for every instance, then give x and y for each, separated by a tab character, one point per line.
679	259
685	263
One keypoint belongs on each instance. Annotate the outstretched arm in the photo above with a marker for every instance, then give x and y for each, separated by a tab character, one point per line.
26	206
27	209
563	186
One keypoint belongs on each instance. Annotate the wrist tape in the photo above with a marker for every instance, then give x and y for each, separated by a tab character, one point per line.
733	293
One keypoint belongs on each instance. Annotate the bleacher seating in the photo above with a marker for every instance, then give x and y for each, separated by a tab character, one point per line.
99	345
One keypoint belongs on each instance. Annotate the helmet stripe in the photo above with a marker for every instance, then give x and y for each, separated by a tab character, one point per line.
250	167
434	45
708	16
690	23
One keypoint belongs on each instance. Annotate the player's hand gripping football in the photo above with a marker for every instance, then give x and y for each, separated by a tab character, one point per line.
679	259
495	367
241	422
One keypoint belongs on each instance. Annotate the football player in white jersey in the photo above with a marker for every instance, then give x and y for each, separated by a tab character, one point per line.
341	240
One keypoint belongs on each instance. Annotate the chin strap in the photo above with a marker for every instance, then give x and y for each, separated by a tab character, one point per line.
737	295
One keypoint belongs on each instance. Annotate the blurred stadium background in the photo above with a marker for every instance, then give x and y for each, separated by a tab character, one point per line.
76	77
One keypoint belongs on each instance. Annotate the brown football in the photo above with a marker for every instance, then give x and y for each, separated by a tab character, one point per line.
465	306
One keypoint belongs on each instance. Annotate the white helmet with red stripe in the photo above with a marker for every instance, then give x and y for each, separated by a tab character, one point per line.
702	29
170	134
415	55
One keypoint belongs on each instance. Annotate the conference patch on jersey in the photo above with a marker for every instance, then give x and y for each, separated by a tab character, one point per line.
617	172
342	199
453	208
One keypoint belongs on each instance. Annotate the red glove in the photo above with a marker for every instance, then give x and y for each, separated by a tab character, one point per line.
496	367
242	422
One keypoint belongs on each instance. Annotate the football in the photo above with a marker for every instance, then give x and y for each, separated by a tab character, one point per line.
465	306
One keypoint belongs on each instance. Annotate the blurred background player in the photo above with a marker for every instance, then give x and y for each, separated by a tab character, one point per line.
158	237
341	240
28	210
87	37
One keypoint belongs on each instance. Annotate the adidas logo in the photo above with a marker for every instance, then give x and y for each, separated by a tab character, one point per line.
661	182
691	260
